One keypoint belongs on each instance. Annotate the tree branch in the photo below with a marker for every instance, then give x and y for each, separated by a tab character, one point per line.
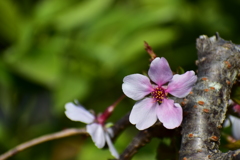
49	137
117	129
205	111
120	125
144	137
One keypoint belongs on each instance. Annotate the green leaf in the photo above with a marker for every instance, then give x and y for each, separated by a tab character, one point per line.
9	21
81	13
180	70
71	87
40	64
47	10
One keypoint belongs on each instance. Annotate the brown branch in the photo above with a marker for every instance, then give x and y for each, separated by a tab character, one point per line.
150	51
230	155
117	129
205	110
120	125
144	137
48	137
140	140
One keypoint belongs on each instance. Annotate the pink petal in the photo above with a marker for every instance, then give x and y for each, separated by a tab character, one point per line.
170	114
97	133
78	113
236	108
111	147
136	86
181	85
226	123
235	127
110	132
143	113
159	71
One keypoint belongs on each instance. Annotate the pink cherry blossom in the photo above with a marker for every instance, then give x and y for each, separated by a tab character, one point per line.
236	108
95	125
233	120
151	95
235	124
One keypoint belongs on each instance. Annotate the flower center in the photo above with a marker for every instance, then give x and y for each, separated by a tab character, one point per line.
159	94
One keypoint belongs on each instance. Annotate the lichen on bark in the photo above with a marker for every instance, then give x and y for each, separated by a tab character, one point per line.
205	110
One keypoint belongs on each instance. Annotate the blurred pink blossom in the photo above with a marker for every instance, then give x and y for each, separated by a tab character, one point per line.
236	108
95	125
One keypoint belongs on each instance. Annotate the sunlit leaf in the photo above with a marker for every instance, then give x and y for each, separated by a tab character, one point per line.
9	21
180	70
41	65
233	146
70	88
81	13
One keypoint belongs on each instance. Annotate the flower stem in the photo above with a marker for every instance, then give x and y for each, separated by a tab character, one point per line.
150	51
108	112
45	138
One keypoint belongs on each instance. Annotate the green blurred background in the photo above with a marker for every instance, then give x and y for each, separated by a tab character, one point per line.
55	51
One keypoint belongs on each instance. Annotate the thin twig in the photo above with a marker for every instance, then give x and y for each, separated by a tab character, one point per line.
144	137
150	51
121	125
48	137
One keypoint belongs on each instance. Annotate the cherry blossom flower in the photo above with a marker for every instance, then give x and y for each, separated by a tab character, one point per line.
236	108
152	95
95	125
235	122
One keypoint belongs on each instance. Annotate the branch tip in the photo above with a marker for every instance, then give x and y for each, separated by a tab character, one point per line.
217	36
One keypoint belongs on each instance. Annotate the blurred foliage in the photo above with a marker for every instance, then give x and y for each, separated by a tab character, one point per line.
55	51
235	93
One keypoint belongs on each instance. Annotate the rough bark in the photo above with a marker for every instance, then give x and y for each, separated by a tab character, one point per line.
205	110
206	107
